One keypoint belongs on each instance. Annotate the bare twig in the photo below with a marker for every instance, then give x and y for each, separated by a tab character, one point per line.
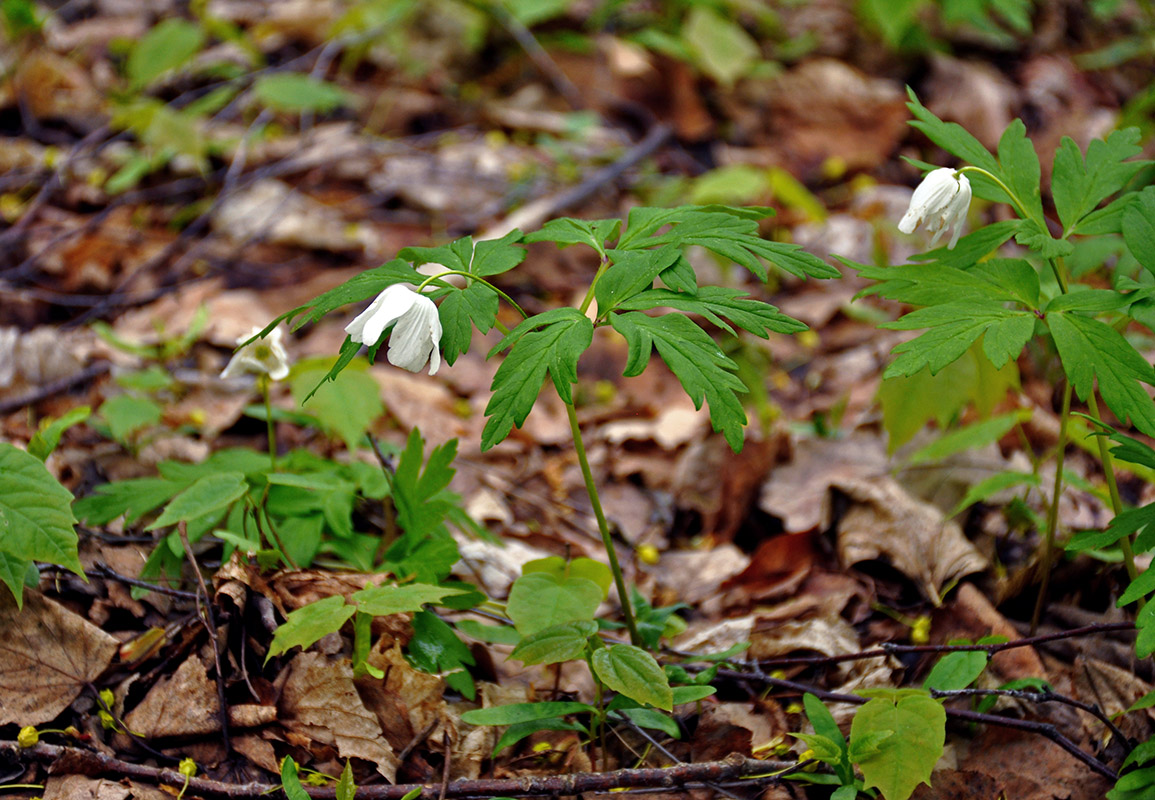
208	618
54	388
75	761
532	215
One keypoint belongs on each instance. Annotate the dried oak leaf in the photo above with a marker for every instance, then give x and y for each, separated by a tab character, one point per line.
320	702
47	655
883	521
182	705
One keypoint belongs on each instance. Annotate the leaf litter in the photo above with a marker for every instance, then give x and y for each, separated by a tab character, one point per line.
791	547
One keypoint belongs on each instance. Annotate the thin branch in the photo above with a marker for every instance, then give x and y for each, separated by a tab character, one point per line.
208	619
76	761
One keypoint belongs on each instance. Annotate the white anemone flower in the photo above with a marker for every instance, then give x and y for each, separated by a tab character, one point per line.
939	202
265	356
416	336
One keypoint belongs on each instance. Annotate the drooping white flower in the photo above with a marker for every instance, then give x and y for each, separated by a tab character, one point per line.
939	202
265	356
416	336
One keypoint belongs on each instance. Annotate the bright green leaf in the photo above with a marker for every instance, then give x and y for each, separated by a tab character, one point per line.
557	643
721	47
516	713
540	600
633	672
388	599
303	627
906	758
36	521
167	45
211	494
295	92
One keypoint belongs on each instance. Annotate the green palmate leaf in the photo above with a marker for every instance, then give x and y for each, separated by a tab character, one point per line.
516	713
729	232
1020	168
971	248
908	403
169	44
461	311
630	272
991	486
633	672
905	758
367	284
1091	350
951	137
561	569
689	352
719	304
548	343
211	494
970	437
540	600
295	92
436	649
483	259
565	231
303	627
555	644
999	280
1034	234
1079	184
953	328
386	599
36	520
1139	228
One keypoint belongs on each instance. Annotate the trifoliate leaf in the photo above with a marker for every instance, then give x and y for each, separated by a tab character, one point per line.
689	352
491	257
554	349
1020	168
1091	350
461	311
953	138
953	327
565	231
630	272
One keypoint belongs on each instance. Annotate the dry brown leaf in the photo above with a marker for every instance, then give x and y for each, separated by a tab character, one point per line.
406	702
319	701
695	575
47	655
727	728
80	787
1113	690
184	704
885	521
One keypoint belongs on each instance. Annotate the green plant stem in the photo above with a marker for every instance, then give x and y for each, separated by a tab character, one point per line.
1019	207
603	526
475	279
589	298
1053	511
1113	489
263	384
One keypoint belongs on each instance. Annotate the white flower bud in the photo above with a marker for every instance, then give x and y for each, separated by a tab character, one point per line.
940	202
261	356
416	337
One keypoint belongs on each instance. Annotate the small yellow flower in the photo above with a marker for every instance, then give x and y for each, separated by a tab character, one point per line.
648	554
28	736
920	630
187	767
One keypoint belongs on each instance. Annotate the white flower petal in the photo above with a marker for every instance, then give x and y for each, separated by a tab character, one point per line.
416	336
261	356
939	203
